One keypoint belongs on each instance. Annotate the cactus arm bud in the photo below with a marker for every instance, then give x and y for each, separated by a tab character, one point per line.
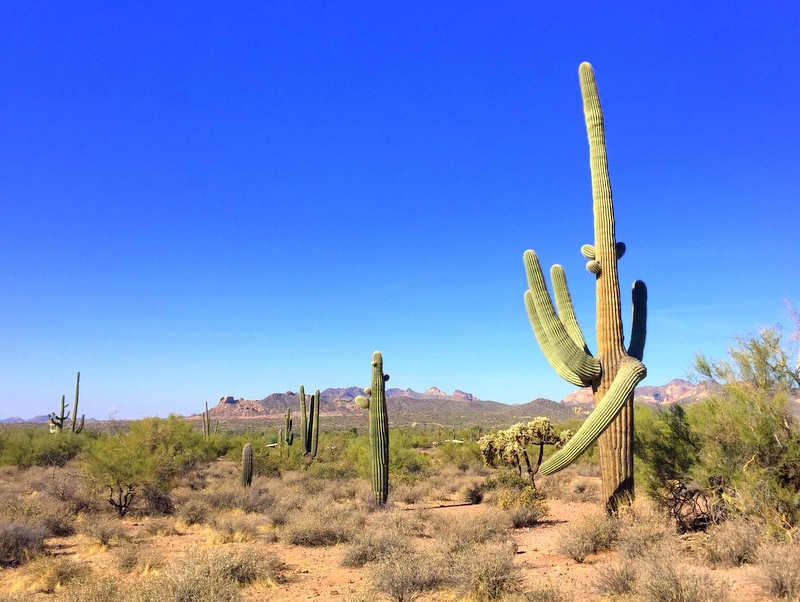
631	372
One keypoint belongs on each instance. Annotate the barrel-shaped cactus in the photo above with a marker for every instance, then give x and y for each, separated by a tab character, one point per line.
378	429
247	465
614	371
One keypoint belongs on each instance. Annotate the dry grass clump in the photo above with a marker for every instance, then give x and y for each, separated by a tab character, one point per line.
409	494
591	534
213	575
374	545
472	493
542	592
102	530
454	535
194	511
323	522
662	580
132	559
641	530
234	527
49	573
616	579
780	570
487	572
20	542
581	490
404	576
96	588
734	542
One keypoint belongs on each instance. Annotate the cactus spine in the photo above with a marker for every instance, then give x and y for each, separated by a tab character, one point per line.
378	429
309	423
613	372
247	465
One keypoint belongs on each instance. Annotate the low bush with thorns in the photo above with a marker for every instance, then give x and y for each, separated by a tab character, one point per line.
404	576
20	542
487	572
733	542
779	570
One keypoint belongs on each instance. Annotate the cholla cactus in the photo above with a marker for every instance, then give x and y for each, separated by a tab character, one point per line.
614	371
511	445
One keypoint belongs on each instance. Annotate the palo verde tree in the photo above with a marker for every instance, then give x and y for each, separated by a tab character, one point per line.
614	371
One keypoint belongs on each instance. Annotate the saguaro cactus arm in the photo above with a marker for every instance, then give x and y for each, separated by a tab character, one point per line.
631	372
638	320
569	360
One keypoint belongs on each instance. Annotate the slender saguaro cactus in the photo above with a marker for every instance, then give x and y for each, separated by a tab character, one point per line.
288	435
378	429
247	465
613	372
309	423
206	423
77	428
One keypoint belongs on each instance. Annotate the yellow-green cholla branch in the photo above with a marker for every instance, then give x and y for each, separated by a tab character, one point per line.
630	374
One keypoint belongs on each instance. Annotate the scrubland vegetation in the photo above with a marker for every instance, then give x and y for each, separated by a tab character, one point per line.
155	510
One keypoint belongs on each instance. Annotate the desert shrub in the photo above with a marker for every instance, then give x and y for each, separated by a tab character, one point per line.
472	493
156	500
322	522
543	592
507	479
665	581
581	490
194	512
102	530
245	566
373	545
96	588
779	571
20	542
616	579
526	507
640	531
48	573
26	446
454	535
591	534
737	452
733	543
234	527
409	494
403	576
488	572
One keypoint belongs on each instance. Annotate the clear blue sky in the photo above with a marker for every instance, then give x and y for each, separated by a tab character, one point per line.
233	198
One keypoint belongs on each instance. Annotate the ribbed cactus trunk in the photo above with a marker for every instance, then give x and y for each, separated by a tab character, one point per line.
247	465
613	372
378	429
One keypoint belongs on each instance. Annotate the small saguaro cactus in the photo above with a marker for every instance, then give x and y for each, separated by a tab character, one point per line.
614	371
247	465
378	429
206	423
288	435
57	420
309	423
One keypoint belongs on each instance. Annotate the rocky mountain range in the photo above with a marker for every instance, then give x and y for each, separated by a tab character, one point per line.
436	402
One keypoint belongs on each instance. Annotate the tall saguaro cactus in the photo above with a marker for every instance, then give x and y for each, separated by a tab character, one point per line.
309	423
614	371
378	429
77	428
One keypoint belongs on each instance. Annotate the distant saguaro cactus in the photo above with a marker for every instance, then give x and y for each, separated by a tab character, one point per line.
614	372
309	423
378	429
77	428
288	435
57	420
247	465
